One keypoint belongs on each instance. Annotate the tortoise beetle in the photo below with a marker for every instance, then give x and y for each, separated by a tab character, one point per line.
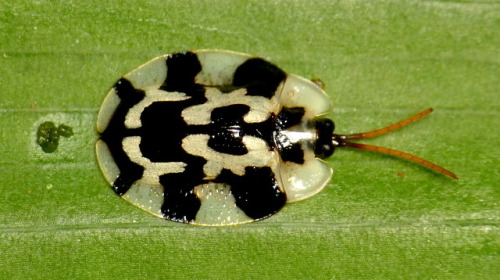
214	137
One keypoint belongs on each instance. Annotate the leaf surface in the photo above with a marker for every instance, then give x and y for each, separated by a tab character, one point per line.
380	217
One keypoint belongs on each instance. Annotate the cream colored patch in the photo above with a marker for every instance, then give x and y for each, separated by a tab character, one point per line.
107	162
107	110
151	74
258	155
133	118
298	91
146	196
218	206
218	67
152	170
305	180
260	107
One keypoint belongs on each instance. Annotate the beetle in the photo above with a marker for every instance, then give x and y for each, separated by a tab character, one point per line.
214	137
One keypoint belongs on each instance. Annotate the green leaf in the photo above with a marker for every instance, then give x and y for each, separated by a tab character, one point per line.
380	217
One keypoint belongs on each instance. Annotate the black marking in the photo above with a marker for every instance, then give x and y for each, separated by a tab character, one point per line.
289	117
324	147
115	132
182	69
257	192
128	94
260	77
228	128
289	151
180	202
227	133
163	129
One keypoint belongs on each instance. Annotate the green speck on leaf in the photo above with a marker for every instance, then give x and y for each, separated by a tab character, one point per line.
65	131
47	135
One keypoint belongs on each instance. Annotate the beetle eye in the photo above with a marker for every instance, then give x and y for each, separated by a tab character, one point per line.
324	146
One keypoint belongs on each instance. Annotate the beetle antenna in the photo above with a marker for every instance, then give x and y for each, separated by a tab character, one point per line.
401	154
389	128
340	141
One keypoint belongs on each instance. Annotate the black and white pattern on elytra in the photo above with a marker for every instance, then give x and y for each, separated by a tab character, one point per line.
257	192
162	133
183	135
182	69
116	131
260	77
